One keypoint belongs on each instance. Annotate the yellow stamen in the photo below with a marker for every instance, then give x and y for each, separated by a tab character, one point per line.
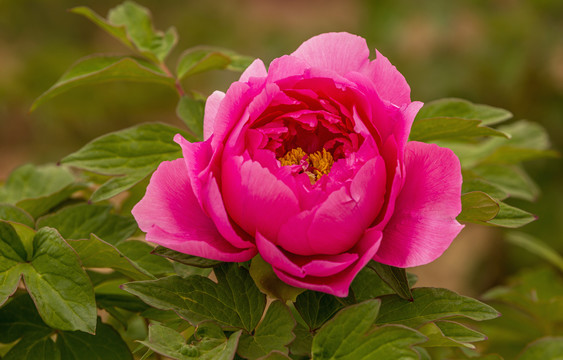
319	162
293	157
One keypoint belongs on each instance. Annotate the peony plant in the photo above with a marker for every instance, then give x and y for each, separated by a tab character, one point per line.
285	214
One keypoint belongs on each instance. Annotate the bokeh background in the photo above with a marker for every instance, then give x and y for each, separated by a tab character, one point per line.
505	53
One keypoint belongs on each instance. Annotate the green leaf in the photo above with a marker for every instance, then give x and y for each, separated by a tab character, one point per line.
463	109
511	179
118	32
273	333
477	207
140	253
395	277
431	304
109	295
276	355
536	247
351	335
448	333
18	318
36	189
98	69
117	185
96	253
190	111
59	286
269	283
301	346
137	22
36	346
233	301
12	255
106	344
545	348
208	343
511	217
450	128
472	183
316	308
185	259
133	153
201	59
12	213
79	221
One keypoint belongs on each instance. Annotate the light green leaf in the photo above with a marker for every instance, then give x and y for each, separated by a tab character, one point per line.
12	213
431	304
96	253
472	183
395	277
137	22
269	283
511	217
316	308
273	333
140	253
103	68
459	332
59	286
351	335
190	111
511	179
79	221
477	207
234	301
450	128
536	246
106	344
201	59
185	259
117	185
134	153
208	343
448	333
463	109
546	348
36	346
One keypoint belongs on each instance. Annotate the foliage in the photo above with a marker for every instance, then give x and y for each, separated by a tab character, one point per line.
57	229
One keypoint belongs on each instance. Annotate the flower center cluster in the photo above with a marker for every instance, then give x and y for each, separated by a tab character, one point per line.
314	165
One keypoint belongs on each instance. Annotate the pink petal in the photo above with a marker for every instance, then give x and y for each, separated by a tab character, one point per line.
336	284
211	108
256	70
339	52
423	223
255	198
170	204
390	83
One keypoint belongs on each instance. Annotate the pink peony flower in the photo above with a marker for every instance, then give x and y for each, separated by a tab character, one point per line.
308	164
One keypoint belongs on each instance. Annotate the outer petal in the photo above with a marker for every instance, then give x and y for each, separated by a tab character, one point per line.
171	216
339	52
390	83
423	223
256	69
211	108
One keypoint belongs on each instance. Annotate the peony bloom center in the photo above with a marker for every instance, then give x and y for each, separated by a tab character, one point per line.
314	165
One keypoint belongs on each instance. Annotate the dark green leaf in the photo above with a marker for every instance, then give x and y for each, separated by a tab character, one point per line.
209	343
134	153
276	355
185	258
463	109
395	277
59	286
301	346
537	247
36	346
316	308
96	253
109	295
273	333
477	207
12	255
137	22
448	333
103	68
511	217
545	348
269	283
234	301
350	335
450	128
190	111
140	253
12	213
201	59
79	221
106	344
18	318
431	304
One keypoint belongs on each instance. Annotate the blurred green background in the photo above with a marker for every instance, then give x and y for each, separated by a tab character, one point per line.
505	53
